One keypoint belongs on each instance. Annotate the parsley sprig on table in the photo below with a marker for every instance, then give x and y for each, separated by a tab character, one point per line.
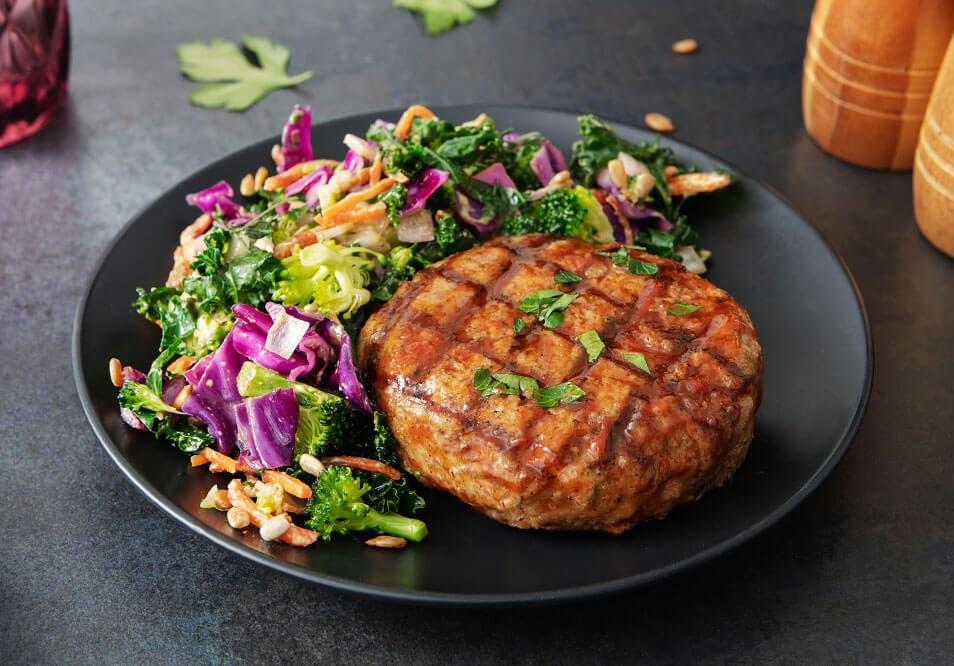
231	79
442	15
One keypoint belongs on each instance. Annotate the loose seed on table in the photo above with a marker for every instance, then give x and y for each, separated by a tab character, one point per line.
659	122
685	46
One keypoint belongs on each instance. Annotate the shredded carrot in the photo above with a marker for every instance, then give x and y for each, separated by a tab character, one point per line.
363	463
286	178
242	467
288	483
693	183
357	215
355	198
404	124
223	461
180	365
375	173
296	536
199	459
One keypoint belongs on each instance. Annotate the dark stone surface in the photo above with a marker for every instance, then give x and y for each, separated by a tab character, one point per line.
93	572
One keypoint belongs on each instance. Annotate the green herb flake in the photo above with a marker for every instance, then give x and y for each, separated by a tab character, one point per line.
548	305
504	382
564	393
482	379
442	15
592	344
638	267
231	79
566	277
638	360
518	325
680	309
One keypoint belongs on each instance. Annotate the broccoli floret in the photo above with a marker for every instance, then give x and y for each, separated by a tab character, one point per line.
326	422
330	277
210	329
337	505
325	429
144	402
572	212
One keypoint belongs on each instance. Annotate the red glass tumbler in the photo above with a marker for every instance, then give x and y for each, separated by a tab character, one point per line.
34	63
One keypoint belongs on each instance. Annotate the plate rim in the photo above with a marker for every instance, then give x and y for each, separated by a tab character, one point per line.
430	598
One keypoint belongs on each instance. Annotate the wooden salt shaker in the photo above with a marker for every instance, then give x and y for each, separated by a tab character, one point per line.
934	163
869	69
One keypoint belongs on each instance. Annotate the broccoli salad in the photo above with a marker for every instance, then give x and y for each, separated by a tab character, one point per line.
256	373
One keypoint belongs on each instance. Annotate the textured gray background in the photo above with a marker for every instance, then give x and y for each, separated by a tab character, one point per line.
93	572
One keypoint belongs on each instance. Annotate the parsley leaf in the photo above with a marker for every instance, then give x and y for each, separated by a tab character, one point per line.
680	309
548	305
508	383
564	393
566	277
638	360
635	266
592	344
231	79
442	15
518	325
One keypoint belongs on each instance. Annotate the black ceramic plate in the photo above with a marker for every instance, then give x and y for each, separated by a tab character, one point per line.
818	366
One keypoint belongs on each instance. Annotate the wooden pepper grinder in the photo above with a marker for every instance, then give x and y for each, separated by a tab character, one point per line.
869	69
934	163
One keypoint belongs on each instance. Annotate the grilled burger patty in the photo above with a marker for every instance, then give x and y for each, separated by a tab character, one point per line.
635	446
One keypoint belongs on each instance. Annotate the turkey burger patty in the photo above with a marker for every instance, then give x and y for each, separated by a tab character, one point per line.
633	447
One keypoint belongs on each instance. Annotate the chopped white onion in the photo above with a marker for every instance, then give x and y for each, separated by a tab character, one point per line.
631	165
285	334
360	146
691	259
265	243
417	227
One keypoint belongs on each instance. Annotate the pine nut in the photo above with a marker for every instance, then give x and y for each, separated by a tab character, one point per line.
659	122
274	527
115	371
311	464
277	154
260	177
221	500
247	186
617	173
643	185
182	396
238	517
387	542
685	46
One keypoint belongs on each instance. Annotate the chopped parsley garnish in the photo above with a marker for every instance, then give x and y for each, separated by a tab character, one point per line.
518	325
592	345
507	383
564	393
510	384
231	80
638	360
548	305
566	277
635	266
680	309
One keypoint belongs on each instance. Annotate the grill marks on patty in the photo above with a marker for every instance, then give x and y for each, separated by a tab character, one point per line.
423	347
